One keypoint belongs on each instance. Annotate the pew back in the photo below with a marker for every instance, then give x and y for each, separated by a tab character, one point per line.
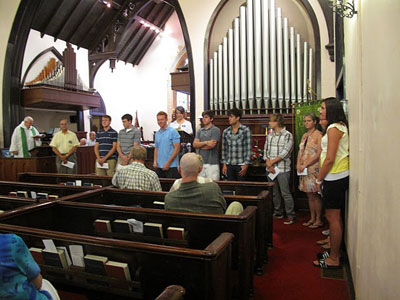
204	273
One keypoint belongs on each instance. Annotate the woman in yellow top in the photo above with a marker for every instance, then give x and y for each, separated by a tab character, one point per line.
333	177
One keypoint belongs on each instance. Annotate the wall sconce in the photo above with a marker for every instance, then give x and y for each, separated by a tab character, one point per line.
343	8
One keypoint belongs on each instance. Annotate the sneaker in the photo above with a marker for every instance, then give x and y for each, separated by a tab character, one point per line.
326	232
278	216
290	221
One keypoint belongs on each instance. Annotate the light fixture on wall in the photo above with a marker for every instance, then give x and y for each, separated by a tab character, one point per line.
343	8
149	25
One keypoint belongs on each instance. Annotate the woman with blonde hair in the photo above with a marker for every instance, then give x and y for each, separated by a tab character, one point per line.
308	161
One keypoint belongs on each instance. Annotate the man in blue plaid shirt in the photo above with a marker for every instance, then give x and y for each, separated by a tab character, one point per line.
277	150
236	147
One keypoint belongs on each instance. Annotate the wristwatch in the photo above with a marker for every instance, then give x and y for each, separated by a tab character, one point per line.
318	182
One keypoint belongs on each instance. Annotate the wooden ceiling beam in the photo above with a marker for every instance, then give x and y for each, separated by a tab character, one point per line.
68	20
73	32
150	35
50	18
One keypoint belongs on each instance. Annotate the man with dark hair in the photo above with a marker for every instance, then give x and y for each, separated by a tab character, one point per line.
206	141
277	150
105	148
167	147
127	138
136	176
236	147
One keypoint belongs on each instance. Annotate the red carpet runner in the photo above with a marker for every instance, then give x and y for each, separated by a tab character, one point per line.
290	275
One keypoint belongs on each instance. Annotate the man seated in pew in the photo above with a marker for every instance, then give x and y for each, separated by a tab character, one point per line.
200	179
64	144
193	196
24	138
20	276
136	176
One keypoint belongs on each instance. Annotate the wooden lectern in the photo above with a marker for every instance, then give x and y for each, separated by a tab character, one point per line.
42	160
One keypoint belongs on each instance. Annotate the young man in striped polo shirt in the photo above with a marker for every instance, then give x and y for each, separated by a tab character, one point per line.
105	147
127	138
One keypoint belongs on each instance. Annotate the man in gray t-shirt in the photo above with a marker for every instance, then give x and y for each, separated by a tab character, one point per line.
127	138
206	141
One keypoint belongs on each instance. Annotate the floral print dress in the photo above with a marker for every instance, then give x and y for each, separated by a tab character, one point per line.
309	148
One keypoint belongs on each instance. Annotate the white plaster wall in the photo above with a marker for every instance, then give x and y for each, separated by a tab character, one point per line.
372	78
143	88
8	10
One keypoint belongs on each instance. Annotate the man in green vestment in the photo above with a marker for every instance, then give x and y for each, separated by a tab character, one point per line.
24	138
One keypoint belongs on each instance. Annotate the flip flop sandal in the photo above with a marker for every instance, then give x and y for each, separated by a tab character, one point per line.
315	226
307	224
326	246
323	255
323	242
323	265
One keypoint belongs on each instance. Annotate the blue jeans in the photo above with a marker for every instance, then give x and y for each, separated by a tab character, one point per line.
282	189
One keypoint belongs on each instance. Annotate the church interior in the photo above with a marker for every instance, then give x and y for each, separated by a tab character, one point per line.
81	59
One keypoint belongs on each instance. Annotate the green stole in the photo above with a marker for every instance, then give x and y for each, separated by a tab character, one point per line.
24	141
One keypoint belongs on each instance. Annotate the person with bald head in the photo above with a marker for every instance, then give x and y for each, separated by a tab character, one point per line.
24	138
193	196
64	144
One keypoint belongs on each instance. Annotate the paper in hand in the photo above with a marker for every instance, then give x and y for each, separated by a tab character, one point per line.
273	176
104	166
69	164
304	173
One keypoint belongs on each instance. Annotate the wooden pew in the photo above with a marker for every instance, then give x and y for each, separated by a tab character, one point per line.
113	196
78	218
172	292
52	189
204	273
56	178
250	188
11	203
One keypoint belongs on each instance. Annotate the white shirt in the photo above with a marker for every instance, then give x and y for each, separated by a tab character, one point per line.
185	126
16	142
89	142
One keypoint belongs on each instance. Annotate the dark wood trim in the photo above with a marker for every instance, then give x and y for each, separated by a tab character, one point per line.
189	52
51	49
12	112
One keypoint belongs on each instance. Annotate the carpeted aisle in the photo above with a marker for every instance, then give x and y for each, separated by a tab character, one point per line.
290	275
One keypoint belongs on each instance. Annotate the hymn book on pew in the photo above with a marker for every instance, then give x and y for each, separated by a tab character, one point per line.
159	204
118	270
153	229
12	194
95	264
22	194
122	226
37	255
176	233
102	225
55	259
